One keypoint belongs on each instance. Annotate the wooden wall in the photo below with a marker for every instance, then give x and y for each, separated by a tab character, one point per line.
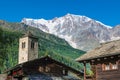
107	75
53	69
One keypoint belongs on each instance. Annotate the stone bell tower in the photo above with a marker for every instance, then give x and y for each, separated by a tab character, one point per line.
28	48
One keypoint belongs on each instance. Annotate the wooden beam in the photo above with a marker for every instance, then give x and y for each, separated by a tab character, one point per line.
98	59
84	62
118	55
92	60
111	57
84	71
105	58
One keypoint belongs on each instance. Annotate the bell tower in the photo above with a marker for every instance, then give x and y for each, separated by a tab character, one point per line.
28	48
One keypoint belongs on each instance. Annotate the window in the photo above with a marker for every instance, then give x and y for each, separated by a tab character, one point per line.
22	58
47	69
23	45
107	67
110	66
32	45
114	66
65	72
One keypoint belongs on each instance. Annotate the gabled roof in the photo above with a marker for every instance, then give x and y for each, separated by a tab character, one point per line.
29	34
104	50
45	60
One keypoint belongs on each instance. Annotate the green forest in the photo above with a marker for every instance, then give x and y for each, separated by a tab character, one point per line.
8	48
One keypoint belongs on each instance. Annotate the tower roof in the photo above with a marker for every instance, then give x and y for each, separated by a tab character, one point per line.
29	34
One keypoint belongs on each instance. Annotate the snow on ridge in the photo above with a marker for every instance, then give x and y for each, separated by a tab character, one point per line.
88	19
69	40
27	19
60	20
85	18
104	25
115	38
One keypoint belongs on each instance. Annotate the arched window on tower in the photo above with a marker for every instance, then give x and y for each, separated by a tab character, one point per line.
32	44
23	45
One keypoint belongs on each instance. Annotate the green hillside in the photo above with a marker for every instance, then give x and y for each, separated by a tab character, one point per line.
9	37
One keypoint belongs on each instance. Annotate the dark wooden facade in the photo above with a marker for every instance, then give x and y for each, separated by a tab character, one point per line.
45	65
104	68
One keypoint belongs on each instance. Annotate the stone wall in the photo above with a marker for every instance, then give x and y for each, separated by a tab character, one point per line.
32	52
23	52
27	53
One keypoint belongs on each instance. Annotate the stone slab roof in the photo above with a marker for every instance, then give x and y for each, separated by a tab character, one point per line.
29	34
104	50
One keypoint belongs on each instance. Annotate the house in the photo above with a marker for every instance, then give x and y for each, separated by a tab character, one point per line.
104	61
44	68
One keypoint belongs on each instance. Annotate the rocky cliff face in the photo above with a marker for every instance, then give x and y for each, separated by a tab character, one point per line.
80	32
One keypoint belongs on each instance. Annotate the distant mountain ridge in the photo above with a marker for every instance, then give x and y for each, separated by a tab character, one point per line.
80	32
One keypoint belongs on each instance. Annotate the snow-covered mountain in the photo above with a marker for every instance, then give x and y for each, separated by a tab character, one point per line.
81	32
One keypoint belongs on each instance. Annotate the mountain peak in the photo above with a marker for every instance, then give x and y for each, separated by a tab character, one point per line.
75	29
69	14
86	19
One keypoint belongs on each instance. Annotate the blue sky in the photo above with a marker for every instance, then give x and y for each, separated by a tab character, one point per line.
106	11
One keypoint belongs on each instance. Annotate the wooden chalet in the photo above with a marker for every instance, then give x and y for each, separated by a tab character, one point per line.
46	68
104	61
